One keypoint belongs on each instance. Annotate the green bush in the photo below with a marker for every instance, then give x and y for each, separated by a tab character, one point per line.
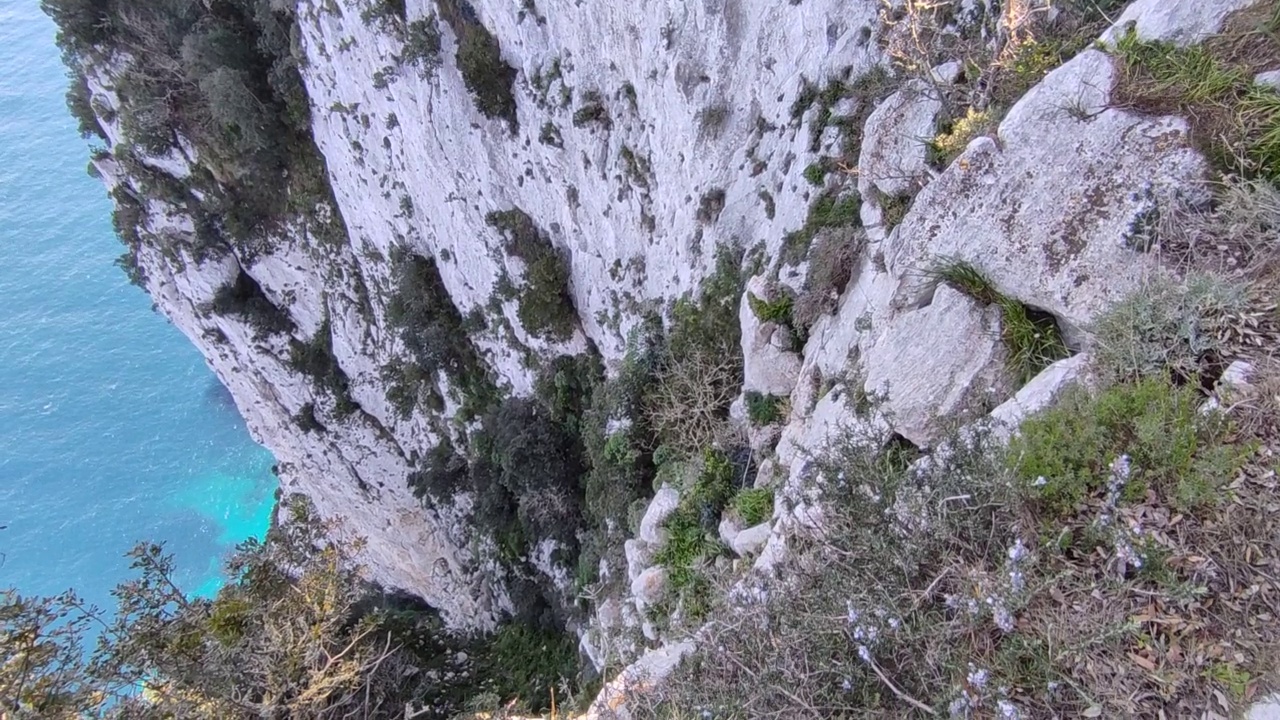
1177	450
245	298
529	664
544	303
486	74
315	358
776	311
828	210
422	44
763	409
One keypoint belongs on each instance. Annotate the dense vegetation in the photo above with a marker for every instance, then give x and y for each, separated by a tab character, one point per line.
222	77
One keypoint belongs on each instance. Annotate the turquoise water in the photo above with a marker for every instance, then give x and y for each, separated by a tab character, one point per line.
112	429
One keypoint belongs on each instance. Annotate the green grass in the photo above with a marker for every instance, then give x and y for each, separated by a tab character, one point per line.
816	173
778	311
1032	339
1177	450
690	536
951	141
1234	121
763	409
754	505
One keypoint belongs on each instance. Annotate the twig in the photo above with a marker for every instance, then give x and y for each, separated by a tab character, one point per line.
901	695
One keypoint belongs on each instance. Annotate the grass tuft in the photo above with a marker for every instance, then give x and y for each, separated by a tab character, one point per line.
1031	337
754	505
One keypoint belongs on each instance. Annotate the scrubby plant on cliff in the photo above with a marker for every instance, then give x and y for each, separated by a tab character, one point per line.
315	358
294	633
1031	337
244	297
544	303
485	73
223	79
434	333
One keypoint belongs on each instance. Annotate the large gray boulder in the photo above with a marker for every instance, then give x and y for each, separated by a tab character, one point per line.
1049	214
928	362
894	157
1183	22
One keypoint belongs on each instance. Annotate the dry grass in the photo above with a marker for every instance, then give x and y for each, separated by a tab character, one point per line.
688	400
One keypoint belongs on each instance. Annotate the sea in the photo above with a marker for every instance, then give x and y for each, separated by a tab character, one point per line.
112	428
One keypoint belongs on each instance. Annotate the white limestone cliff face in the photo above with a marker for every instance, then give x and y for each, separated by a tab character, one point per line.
699	97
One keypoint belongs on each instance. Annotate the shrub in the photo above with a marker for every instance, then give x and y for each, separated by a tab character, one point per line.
486	74
1176	449
951	141
828	211
592	111
689	403
1167	327
835	254
763	409
245	298
544	303
422	44
432	330
710	206
530	664
550	135
315	358
754	505
690	529
816	174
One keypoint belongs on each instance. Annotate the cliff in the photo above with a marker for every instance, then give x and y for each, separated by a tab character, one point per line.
485	277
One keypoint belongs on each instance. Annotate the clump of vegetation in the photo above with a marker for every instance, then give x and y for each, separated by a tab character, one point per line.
764	409
1232	118
754	505
952	140
545	305
1173	447
592	111
1031	337
422	44
770	205
691	536
226	81
550	135
489	78
295	632
700	372
777	310
245	298
829	210
1179	326
712	119
315	358
835	255
711	205
433	332
816	173
637	167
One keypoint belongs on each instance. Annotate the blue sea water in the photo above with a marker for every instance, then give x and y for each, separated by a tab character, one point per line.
112	429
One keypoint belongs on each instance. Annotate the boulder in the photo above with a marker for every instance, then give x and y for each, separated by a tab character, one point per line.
639	555
649	587
1039	393
1053	240
752	540
1182	22
768	364
894	157
664	502
650	668
1270	78
929	361
730	526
